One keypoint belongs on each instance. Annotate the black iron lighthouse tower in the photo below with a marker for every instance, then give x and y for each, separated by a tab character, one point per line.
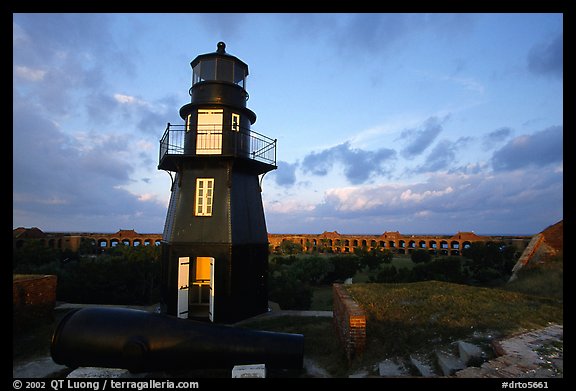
215	242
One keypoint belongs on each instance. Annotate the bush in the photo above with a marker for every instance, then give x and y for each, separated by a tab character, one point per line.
33	255
343	267
124	275
289	292
387	274
540	281
312	270
420	256
373	258
441	269
129	276
290	248
488	277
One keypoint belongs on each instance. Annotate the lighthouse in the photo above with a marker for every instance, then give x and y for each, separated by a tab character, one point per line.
215	243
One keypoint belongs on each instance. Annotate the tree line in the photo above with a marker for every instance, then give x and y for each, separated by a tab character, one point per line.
293	277
119	275
131	275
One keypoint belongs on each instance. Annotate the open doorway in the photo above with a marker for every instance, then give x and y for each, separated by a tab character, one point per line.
201	303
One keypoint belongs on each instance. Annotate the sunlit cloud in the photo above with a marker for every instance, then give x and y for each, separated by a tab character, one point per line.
28	73
130	100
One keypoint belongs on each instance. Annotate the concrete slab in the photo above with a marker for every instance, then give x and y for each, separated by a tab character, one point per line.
449	363
424	368
534	354
390	368
257	371
102	373
313	369
468	352
359	375
39	368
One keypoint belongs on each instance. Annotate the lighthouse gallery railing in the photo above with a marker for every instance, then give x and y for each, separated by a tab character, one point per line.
242	143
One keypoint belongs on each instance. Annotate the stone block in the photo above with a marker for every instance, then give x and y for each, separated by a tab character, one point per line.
249	371
468	351
423	368
390	368
449	363
102	373
38	368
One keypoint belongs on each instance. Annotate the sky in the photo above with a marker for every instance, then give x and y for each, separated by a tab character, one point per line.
418	123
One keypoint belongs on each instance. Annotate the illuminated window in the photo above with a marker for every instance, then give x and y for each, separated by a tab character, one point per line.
235	122
188	120
204	196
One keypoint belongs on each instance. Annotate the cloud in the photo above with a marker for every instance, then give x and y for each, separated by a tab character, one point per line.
28	73
285	175
496	137
358	164
547	58
77	141
441	157
100	107
61	54
60	181
538	149
420	139
223	25
369	37
44	39
467	83
489	202
369	33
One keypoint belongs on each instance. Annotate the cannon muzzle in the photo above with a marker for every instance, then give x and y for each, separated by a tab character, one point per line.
141	341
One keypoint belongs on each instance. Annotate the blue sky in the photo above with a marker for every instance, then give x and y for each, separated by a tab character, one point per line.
418	123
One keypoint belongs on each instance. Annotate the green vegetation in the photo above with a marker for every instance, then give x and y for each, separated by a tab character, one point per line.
413	302
121	275
320	339
35	341
294	279
543	280
407	318
420	256
416	318
322	297
489	263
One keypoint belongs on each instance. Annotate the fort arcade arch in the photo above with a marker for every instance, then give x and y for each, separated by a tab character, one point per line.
335	242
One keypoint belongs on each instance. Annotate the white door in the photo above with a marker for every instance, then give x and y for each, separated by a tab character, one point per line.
211	307
183	289
209	136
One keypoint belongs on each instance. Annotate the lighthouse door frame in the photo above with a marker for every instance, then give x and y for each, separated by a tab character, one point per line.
212	290
183	287
209	132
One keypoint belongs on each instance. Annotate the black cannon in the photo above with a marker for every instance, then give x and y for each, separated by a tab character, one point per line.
141	341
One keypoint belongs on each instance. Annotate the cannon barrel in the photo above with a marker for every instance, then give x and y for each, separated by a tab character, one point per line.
141	341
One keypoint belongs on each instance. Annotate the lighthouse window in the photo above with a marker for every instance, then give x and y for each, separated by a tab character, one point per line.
204	196
224	70
239	75
196	74
235	122
207	70
188	120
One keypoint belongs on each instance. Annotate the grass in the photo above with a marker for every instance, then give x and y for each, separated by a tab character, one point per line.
407	318
543	280
403	319
402	261
320	340
416	318
322	298
34	341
